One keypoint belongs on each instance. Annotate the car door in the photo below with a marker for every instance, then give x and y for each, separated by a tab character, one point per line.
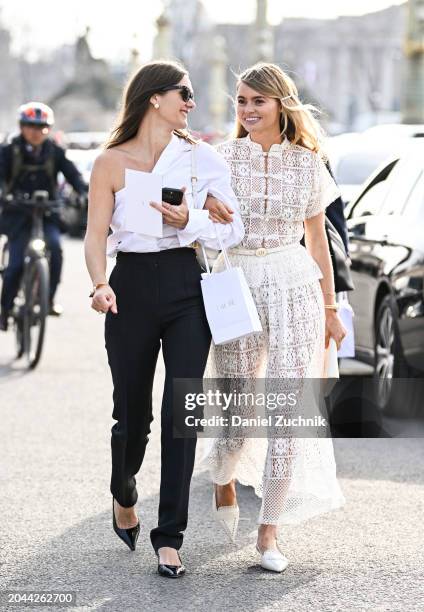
409	281
382	242
365	237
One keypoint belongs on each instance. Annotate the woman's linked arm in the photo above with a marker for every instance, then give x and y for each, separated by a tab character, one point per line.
100	210
218	211
216	181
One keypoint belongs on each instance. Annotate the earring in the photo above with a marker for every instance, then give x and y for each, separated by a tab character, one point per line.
156	105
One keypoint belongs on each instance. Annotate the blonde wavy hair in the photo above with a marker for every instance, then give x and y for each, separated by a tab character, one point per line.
297	122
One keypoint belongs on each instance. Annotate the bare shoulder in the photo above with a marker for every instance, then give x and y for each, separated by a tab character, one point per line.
107	159
108	167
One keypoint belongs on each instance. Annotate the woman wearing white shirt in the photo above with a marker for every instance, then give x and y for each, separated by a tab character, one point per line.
153	297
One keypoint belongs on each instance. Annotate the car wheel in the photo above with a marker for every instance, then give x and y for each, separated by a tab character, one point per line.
392	396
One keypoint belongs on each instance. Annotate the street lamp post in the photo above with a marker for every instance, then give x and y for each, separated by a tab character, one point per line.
413	95
263	35
162	48
218	85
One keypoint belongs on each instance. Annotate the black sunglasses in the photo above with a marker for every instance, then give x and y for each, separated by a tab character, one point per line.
185	92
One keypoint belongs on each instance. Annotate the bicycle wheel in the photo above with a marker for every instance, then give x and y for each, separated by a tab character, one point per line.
35	310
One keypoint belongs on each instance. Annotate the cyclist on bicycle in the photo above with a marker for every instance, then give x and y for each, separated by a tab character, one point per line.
29	163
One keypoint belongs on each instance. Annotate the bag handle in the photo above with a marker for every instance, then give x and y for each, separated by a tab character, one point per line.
194	194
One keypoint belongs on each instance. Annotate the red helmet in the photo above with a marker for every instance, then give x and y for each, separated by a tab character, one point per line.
36	113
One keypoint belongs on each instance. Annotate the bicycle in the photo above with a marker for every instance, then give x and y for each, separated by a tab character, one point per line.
31	306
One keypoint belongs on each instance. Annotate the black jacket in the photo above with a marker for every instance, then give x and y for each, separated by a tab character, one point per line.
35	172
335	213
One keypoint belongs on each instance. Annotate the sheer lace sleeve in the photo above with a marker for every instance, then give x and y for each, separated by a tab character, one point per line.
324	189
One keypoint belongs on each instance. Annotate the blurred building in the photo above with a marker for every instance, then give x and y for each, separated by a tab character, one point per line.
10	90
353	65
84	91
350	66
413	89
88	101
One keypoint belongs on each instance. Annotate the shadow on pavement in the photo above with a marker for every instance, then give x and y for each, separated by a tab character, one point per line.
90	560
10	370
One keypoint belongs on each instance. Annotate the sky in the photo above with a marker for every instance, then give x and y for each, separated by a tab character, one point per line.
116	26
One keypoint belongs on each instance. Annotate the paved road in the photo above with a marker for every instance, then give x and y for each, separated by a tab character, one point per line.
55	506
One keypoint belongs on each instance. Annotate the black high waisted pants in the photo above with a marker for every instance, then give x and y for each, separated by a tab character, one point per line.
159	304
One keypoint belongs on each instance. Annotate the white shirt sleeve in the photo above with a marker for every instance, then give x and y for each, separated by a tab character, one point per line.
213	178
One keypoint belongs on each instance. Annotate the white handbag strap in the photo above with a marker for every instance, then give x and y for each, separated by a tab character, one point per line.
194	195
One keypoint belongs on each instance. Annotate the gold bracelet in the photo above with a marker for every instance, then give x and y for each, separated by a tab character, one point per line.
332	307
95	287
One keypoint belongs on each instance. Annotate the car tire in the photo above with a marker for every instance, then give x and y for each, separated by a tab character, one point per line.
393	397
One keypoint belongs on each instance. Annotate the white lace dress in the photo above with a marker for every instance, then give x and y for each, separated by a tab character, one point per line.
277	191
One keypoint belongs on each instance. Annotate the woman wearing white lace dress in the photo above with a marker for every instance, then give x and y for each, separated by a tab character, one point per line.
283	188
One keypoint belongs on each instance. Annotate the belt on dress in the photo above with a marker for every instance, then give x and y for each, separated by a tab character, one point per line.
262	251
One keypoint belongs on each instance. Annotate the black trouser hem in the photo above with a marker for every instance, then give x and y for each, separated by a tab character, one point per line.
162	541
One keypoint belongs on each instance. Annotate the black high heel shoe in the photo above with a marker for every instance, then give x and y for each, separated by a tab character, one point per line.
171	571
129	536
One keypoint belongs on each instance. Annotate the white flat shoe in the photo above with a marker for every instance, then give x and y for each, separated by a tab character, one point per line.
228	517
273	560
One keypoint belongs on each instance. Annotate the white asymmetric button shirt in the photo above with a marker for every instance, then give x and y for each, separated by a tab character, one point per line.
175	166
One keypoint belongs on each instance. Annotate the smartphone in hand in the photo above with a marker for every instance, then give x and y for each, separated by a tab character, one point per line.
172	196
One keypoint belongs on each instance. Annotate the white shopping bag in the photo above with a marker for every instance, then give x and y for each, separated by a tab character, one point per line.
331	364
229	305
347	348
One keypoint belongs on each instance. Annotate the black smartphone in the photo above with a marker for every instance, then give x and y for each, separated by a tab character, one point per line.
172	196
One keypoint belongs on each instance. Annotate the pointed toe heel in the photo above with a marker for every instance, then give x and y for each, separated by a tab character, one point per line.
273	560
171	571
129	536
228	518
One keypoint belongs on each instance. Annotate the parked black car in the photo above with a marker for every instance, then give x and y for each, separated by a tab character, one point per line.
386	233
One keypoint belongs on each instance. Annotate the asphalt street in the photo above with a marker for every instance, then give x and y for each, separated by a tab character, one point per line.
55	505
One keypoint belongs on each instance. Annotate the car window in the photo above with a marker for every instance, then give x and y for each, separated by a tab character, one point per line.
415	204
401	187
372	198
355	167
371	201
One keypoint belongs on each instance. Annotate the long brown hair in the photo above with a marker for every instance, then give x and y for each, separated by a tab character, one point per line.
148	80
297	122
